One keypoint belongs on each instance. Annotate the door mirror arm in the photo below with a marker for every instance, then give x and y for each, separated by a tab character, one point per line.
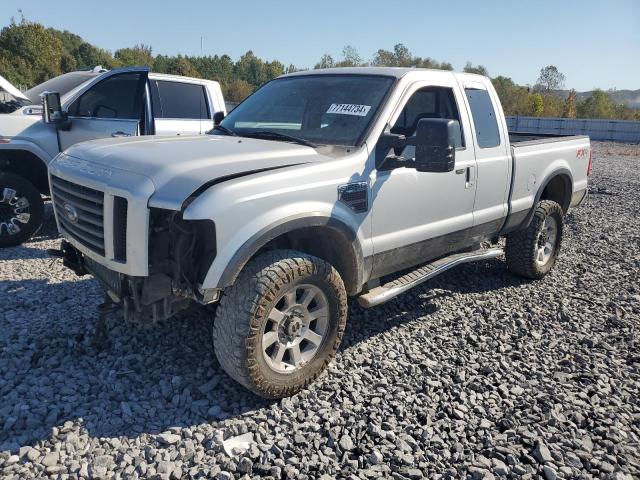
392	141
52	112
435	142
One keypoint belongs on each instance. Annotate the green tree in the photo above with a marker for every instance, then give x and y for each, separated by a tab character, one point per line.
350	57
597	105
516	100
399	57
88	56
238	90
550	79
136	56
537	107
326	61
32	53
479	69
553	105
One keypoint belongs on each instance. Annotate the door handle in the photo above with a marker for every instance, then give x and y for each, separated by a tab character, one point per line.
120	133
460	171
470	178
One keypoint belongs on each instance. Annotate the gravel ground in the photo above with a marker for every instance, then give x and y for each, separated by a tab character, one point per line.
476	375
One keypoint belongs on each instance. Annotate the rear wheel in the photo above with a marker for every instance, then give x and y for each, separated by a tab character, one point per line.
21	210
532	252
280	324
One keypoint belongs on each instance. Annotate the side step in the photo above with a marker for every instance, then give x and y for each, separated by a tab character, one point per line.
384	293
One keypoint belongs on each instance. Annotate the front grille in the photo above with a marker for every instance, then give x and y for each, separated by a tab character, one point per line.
80	211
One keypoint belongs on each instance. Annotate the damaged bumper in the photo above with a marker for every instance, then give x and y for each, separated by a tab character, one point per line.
139	299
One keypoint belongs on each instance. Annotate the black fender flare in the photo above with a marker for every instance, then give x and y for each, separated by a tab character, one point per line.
27	164
565	174
287	225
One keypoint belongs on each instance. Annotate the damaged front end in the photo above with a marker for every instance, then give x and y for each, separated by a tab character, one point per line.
180	254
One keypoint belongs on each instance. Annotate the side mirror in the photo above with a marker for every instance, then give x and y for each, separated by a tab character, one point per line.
436	144
218	117
52	108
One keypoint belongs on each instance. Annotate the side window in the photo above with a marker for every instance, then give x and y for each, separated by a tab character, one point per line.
120	96
430	102
182	100
484	118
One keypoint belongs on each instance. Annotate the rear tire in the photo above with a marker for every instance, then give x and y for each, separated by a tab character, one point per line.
532	252
280	324
21	210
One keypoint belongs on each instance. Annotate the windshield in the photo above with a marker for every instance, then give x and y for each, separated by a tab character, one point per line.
62	84
320	109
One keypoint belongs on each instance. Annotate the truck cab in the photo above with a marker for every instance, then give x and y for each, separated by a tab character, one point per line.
93	104
361	182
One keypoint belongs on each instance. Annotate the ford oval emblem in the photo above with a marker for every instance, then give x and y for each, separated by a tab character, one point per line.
70	212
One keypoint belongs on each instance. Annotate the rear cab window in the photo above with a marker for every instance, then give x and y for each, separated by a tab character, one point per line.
180	100
484	118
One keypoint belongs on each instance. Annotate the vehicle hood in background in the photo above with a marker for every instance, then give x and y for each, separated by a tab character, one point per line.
11	90
178	166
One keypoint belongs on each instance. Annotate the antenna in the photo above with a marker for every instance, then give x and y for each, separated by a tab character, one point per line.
205	89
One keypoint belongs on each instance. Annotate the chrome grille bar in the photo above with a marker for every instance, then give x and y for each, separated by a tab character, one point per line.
87	204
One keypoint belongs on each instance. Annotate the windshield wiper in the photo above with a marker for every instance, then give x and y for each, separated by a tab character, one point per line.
283	136
226	130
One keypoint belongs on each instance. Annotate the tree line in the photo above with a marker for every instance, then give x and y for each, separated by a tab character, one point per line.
31	53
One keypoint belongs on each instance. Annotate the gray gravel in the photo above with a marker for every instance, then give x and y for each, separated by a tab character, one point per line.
476	375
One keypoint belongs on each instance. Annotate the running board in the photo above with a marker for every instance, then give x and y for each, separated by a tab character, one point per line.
384	293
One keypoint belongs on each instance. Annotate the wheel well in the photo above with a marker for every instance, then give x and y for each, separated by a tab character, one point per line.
329	244
558	189
28	166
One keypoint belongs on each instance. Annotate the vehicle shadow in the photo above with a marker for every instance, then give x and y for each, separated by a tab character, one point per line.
142	379
147	379
423	301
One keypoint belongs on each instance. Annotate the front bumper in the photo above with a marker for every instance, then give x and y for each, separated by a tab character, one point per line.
138	299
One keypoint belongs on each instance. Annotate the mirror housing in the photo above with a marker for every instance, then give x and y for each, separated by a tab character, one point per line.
435	143
218	117
52	112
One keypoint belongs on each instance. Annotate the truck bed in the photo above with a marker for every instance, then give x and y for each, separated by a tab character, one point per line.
538	157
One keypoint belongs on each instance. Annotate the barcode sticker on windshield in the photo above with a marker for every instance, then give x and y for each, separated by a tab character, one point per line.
349	109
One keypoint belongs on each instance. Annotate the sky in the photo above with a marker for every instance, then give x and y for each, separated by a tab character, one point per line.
594	43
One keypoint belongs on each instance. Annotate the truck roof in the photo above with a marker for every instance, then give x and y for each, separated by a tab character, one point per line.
397	72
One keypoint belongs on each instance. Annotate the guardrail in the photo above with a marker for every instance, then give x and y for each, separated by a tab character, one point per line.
611	130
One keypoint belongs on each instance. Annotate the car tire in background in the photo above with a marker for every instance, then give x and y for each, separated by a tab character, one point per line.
21	210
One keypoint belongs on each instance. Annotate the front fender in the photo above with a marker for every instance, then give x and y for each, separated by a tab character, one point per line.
259	239
234	252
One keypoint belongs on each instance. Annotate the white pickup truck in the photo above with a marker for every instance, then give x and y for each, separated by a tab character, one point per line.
95	104
323	184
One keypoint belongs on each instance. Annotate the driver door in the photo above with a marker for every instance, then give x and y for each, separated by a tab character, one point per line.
419	216
113	107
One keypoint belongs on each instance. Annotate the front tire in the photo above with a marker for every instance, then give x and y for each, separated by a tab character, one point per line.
532	252
21	210
278	327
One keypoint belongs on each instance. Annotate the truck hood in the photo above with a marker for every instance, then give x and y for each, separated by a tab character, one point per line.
178	166
11	90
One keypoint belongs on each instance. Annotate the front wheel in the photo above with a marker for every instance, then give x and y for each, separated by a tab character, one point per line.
278	327
21	210
532	252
